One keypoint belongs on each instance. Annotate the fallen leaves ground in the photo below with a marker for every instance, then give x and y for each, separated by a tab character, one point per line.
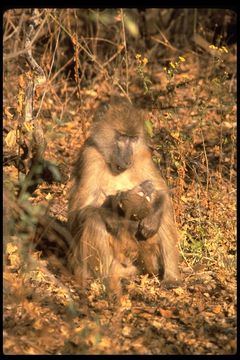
45	311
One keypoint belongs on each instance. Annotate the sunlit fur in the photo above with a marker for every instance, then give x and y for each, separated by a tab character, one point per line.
93	247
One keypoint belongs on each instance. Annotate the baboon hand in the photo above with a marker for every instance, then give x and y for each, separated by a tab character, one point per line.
171	282
148	227
146	187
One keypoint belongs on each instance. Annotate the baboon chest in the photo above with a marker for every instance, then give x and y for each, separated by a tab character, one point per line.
110	185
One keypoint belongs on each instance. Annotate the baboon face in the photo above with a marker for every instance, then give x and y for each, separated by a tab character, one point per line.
135	204
117	135
122	155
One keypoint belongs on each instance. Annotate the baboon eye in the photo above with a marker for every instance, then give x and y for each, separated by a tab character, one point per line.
134	138
134	217
122	137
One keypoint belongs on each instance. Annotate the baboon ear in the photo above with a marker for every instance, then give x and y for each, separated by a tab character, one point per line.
101	111
105	105
118	100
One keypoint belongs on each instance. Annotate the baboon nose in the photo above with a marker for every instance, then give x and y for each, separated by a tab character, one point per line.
128	164
124	166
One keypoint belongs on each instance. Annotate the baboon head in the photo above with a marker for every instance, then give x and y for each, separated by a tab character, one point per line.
136	204
117	135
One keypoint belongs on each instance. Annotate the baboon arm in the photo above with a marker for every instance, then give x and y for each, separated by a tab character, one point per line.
149	226
86	190
111	220
97	183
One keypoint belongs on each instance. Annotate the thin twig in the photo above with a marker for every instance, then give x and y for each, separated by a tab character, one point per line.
50	71
126	52
61	69
79	44
93	58
101	39
113	57
206	158
15	28
7	57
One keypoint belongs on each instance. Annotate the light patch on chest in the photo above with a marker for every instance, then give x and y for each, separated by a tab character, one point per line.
113	184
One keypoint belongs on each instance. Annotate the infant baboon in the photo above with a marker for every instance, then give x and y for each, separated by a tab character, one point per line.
132	205
122	215
135	204
115	159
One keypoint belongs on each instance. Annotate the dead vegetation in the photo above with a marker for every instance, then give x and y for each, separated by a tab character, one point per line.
179	65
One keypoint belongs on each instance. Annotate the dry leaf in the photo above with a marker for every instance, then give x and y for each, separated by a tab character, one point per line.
10	139
125	302
8	114
166	313
184	199
21	81
157	324
144	279
11	248
14	260
38	324
105	343
49	196
28	126
178	291
145	316
126	331
217	309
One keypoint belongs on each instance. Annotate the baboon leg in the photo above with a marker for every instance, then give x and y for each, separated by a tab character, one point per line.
158	255
95	254
150	255
149	226
116	273
91	251
169	252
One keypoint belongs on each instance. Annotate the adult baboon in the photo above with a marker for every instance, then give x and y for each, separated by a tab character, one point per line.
113	160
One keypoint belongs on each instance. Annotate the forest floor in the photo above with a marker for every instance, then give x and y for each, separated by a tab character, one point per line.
45	310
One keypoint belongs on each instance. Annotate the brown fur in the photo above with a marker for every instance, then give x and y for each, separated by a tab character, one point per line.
93	250
121	214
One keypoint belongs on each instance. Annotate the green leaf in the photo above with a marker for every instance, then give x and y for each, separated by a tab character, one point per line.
149	127
131	26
